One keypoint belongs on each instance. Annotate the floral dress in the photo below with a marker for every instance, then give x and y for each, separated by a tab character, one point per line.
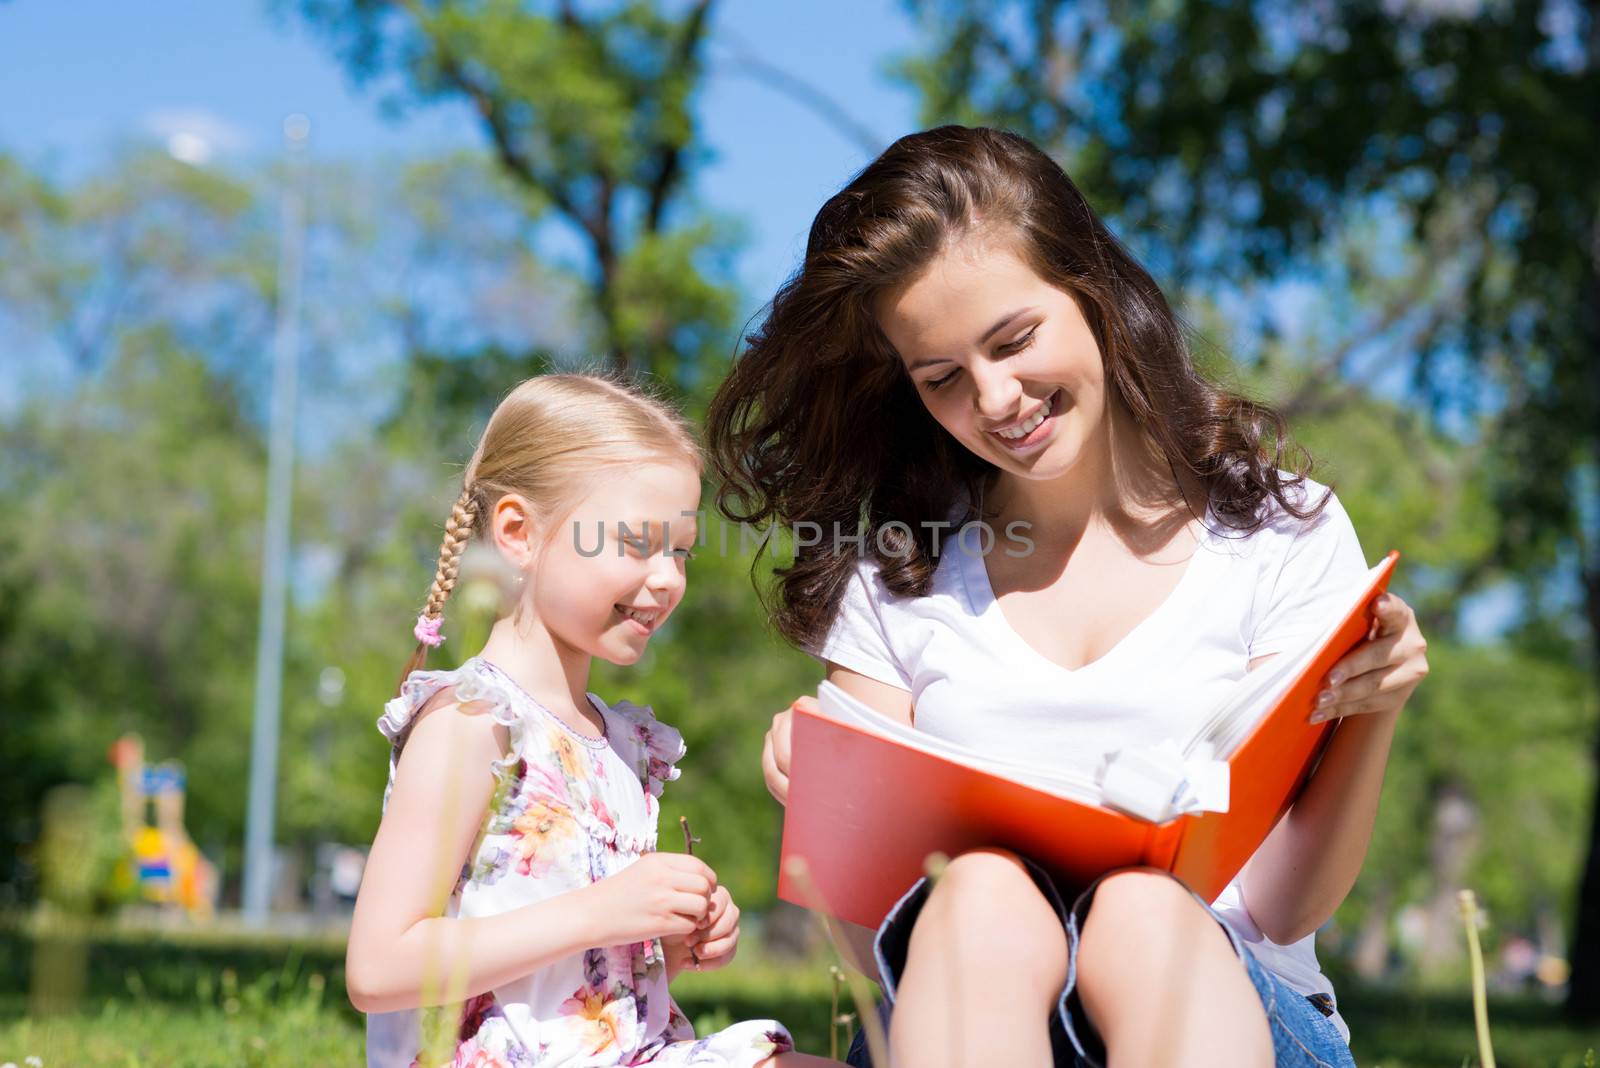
567	811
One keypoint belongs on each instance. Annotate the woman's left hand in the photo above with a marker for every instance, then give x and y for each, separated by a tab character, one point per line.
1378	675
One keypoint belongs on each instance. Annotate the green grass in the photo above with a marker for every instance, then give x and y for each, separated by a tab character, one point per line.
200	999
1390	1029
263	1025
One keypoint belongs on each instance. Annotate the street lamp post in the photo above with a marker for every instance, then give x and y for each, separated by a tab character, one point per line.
275	556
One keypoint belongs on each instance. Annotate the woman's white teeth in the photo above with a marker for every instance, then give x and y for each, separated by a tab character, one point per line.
637	616
1024	429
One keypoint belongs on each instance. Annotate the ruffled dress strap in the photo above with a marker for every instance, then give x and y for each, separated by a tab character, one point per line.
654	747
473	682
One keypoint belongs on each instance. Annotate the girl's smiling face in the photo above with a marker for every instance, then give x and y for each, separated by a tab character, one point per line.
612	573
1002	359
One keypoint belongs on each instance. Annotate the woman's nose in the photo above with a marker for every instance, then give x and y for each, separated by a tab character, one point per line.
995	390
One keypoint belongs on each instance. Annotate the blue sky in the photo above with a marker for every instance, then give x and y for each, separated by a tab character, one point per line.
215	78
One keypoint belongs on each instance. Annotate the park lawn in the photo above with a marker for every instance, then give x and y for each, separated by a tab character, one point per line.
172	1014
1389	1032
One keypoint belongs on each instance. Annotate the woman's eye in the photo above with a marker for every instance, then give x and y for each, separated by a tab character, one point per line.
686	554
935	383
1021	343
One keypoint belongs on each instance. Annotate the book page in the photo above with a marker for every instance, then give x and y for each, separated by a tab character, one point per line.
1232	719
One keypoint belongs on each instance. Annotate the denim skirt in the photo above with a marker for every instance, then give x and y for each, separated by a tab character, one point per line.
1302	1034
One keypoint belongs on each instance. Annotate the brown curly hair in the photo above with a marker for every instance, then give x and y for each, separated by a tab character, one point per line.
811	425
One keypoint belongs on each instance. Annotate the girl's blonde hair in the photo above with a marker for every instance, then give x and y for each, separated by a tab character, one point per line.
547	441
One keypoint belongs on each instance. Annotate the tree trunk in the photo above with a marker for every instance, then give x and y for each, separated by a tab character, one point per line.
1583	992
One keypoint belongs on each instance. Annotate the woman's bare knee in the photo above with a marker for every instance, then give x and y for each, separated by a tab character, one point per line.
1144	932
988	905
1135	900
1136	919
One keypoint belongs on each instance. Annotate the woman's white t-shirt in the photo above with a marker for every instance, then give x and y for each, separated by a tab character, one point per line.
974	680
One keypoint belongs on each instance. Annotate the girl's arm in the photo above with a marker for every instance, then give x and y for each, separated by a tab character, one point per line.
1308	864
403	953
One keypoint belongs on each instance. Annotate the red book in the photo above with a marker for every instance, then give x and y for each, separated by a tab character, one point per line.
870	799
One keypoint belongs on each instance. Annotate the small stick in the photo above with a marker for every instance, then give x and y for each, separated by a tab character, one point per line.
688	847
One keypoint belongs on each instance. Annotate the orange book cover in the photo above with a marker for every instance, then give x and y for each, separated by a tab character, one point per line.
865	809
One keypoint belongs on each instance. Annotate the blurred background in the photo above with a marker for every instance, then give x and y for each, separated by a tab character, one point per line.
266	267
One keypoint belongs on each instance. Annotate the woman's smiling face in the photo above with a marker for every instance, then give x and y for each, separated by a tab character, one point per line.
1002	359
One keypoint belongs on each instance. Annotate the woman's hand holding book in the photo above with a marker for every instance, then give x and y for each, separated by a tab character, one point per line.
1378	675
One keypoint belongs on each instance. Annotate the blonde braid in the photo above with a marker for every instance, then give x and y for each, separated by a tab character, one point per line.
457	532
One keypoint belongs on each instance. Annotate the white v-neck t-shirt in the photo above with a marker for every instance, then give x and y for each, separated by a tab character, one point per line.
974	680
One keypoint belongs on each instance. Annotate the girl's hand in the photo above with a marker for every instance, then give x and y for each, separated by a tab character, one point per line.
775	751
712	944
1380	673
660	895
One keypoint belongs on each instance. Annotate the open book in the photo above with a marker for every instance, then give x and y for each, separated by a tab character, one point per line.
870	799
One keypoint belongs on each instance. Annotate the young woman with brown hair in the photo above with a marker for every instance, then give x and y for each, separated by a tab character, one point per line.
967	350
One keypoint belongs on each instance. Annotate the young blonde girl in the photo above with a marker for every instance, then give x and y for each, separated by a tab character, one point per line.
515	868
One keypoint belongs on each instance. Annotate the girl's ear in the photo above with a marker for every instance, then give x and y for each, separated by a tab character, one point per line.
516	531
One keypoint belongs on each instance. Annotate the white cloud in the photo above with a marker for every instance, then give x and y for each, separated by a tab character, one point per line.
194	135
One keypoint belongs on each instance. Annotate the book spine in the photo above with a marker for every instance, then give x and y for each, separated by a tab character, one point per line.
1162	844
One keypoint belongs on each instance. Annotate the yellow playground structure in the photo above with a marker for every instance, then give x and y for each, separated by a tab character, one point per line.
163	861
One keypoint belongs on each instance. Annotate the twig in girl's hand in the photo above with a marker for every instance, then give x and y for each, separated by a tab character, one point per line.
688	847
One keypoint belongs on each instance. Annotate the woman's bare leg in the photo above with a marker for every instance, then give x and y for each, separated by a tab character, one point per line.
985	966
1161	983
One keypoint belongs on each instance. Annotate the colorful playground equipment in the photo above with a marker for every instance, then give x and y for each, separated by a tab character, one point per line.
162	861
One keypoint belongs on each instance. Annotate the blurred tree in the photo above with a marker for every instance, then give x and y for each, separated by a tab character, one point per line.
130	482
152	243
591	114
1495	735
1239	138
131	515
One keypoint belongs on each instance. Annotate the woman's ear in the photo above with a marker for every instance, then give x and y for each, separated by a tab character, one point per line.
516	531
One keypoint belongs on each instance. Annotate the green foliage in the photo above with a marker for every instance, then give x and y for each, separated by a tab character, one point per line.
1507	729
130	562
591	113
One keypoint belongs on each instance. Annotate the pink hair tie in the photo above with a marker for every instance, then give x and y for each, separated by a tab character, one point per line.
427	630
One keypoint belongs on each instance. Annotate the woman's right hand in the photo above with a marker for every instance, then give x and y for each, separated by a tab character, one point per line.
775	752
657	895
